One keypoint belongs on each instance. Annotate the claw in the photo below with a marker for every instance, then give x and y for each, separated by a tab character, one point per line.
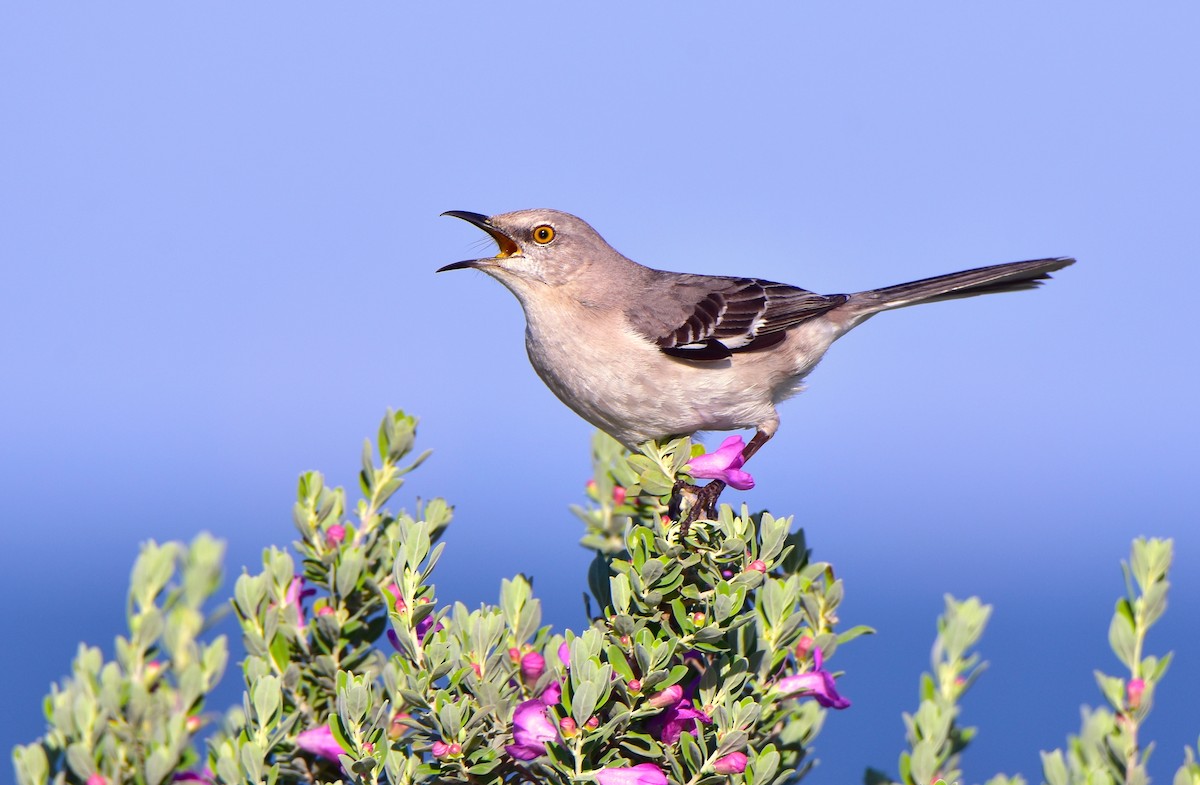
705	504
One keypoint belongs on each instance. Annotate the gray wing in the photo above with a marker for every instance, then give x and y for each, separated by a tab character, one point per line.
701	317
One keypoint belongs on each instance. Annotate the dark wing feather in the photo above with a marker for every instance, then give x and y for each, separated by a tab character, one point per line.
701	317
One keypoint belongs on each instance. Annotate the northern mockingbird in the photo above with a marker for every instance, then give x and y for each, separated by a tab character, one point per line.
645	354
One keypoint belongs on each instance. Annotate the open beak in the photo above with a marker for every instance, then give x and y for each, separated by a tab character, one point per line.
506	246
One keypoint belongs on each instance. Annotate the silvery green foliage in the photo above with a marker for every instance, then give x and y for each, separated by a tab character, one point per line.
1108	748
935	739
135	719
354	672
722	614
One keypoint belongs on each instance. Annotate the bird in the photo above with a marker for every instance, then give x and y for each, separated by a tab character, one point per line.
646	354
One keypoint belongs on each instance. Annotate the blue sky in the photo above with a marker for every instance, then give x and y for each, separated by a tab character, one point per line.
221	226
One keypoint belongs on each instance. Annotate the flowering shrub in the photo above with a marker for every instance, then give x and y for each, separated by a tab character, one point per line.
706	659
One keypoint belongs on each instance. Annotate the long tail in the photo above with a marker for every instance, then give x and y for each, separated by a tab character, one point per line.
1011	277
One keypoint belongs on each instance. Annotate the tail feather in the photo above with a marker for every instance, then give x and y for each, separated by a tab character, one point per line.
1011	277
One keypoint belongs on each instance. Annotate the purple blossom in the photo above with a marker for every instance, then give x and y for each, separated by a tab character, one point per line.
641	774
564	654
675	719
668	697
725	464
817	683
733	763
320	742
296	595
552	694
422	630
532	728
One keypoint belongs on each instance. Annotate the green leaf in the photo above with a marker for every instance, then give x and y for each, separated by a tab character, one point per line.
267	699
1121	636
1054	768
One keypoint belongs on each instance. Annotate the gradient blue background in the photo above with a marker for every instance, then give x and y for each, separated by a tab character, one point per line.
220	226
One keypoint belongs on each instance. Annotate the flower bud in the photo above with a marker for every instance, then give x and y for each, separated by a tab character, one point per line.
592	723
334	535
440	749
733	763
533	665
568	727
758	565
1133	693
635	685
668	697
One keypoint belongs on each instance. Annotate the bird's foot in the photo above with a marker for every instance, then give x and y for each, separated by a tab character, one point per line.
704	502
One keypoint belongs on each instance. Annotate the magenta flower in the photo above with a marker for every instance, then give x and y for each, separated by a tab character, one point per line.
532	728
205	776
733	763
817	683
675	719
422	630
296	595
641	774
552	694
320	742
724	464
668	697
96	778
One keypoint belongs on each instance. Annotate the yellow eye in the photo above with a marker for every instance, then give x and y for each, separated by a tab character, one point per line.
543	234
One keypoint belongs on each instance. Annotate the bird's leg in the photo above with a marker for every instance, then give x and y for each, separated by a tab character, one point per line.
705	502
760	438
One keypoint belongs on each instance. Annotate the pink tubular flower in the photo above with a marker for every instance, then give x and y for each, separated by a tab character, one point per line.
668	697
724	464
733	763
205	777
296	594
817	683
552	694
320	742
675	719
641	774
532	728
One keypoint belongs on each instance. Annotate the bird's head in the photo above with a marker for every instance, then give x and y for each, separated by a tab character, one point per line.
539	247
